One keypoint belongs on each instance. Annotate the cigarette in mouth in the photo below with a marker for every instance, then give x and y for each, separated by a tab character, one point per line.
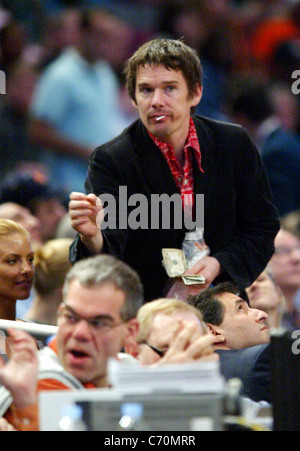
160	118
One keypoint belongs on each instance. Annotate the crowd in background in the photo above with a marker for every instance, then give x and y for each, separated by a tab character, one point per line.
48	125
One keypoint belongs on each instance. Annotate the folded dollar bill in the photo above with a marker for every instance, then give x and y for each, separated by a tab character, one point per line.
193	280
176	265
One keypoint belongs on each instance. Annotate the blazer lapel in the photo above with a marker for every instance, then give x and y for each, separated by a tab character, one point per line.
205	183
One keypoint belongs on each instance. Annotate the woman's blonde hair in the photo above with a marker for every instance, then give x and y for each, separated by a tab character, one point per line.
8	228
52	264
165	306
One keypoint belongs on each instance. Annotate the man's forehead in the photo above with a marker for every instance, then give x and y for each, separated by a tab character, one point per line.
285	238
163	322
158	70
13	210
106	286
229	299
100	297
162	328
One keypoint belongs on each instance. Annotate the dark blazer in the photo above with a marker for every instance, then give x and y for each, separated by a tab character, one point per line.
240	218
253	367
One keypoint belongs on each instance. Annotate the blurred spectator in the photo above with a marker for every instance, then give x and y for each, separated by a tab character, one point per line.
38	196
277	27
251	107
22	216
248	105
15	146
118	41
16	267
265	295
76	104
286	60
65	229
14	39
61	30
285	265
291	222
51	267
171	331
30	13
285	106
5	18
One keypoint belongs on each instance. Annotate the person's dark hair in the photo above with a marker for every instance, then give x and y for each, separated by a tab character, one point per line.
85	18
211	308
171	53
87	14
105	269
251	98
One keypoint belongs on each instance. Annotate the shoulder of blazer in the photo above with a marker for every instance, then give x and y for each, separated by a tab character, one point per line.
244	360
213	132
222	141
215	125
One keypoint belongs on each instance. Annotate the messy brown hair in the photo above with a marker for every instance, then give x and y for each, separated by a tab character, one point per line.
171	53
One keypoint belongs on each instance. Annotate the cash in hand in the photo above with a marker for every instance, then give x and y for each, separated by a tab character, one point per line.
174	261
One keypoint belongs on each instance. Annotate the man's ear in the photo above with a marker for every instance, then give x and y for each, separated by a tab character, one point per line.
130	345
197	96
59	311
217	332
133	328
133	102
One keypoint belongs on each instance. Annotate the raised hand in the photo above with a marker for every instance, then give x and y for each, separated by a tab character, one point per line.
87	214
5	426
189	345
19	375
209	268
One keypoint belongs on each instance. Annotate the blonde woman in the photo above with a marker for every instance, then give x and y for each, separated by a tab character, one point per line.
16	267
51	267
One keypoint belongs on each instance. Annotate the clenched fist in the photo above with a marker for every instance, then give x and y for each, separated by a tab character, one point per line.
87	214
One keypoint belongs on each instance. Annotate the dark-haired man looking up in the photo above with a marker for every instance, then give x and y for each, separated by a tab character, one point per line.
229	317
241	338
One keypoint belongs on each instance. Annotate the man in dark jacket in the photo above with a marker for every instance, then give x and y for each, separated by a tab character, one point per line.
168	152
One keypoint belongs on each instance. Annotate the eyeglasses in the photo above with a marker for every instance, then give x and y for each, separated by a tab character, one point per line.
97	325
285	250
160	352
